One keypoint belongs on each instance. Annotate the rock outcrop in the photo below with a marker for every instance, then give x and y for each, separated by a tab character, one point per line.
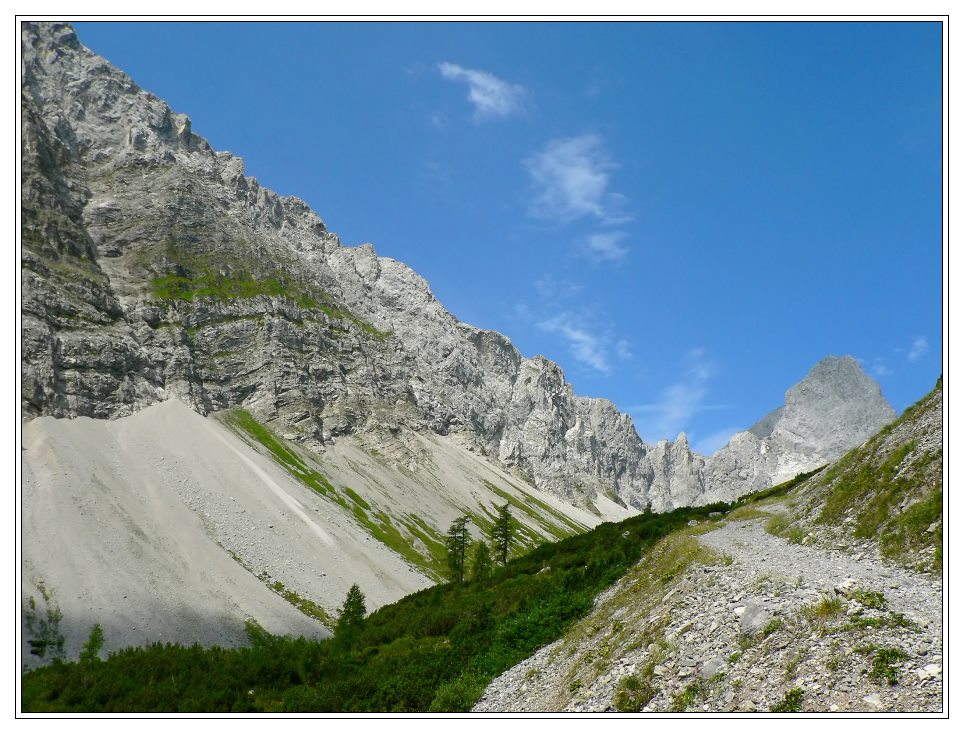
154	268
835	407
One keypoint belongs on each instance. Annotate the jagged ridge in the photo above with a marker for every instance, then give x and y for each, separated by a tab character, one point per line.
154	268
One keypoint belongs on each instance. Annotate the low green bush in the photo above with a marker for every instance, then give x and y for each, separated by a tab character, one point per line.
791	703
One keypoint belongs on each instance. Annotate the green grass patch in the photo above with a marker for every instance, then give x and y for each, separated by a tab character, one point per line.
566	527
687	697
868	598
248	426
221	287
433	541
883	666
779	490
777	525
829	607
353	496
860	621
791	702
632	693
772	626
910	529
305	606
345	315
199	278
871	488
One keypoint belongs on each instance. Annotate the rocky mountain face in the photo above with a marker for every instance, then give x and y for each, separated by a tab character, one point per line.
834	408
154	268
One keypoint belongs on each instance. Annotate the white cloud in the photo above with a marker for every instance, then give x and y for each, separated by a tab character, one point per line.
918	349
491	96
879	368
623	350
606	246
570	180
677	403
589	348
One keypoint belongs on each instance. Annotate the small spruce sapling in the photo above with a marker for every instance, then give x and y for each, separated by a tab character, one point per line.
350	616
481	562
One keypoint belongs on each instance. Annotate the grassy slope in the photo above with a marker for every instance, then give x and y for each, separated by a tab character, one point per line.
891	488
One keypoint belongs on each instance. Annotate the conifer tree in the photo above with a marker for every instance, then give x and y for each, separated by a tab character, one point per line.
457	544
350	616
481	562
501	533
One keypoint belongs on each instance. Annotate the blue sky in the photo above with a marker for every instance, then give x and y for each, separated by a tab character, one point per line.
685	216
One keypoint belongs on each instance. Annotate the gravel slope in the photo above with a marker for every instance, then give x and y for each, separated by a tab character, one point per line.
131	524
169	526
732	633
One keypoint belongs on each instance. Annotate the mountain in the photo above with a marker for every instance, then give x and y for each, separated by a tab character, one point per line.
835	407
153	268
823	594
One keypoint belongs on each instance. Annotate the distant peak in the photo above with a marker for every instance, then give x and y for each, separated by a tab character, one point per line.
832	363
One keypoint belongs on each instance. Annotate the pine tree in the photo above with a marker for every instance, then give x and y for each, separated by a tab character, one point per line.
350	616
457	544
501	533
481	562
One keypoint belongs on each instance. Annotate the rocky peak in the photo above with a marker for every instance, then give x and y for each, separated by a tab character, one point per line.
834	408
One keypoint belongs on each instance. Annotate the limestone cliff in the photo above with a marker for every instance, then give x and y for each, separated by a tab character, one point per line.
154	268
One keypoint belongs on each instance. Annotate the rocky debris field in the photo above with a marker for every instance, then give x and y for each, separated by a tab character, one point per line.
729	618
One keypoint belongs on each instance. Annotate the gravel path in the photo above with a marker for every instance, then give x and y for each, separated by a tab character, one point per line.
915	595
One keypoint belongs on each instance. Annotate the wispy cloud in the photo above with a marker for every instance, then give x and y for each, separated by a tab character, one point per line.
553	290
879	368
606	246
570	180
623	349
491	96
587	346
678	402
918	349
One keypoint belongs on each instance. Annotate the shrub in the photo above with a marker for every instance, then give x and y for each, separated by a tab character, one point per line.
92	648
791	702
882	666
632	693
687	697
